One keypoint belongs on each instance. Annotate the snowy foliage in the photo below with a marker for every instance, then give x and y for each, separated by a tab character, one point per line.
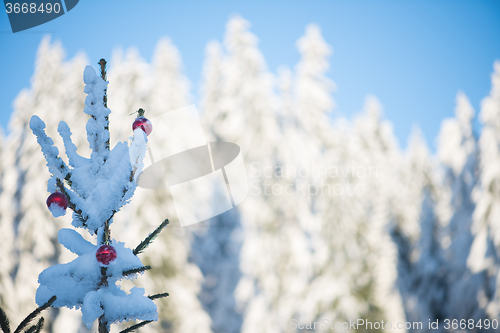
133	80
484	255
29	226
99	187
418	241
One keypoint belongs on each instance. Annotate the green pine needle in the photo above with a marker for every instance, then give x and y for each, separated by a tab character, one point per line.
145	243
136	270
36	328
136	326
4	322
155	296
35	313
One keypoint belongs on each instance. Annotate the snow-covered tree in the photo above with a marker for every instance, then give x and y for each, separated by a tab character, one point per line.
95	189
238	107
484	254
6	243
313	89
216	243
374	159
211	90
339	223
130	91
55	86
457	151
57	93
170	88
305	103
416	231
136	82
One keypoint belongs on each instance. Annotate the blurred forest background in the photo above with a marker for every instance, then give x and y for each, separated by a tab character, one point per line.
340	223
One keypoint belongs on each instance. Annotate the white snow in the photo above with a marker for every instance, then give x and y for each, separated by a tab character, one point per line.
57	210
117	306
100	186
77	283
407	249
54	162
74	242
137	151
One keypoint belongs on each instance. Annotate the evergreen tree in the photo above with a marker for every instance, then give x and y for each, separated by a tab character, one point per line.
33	231
421	266
376	180
484	256
6	240
58	87
211	89
160	92
457	151
95	189
131	90
306	102
216	245
170	87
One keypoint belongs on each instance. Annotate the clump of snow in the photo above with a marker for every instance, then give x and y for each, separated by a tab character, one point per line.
77	283
70	282
74	158
57	210
99	187
74	242
54	162
91	309
137	151
97	134
117	306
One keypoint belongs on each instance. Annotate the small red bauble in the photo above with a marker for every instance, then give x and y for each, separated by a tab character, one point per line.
59	199
105	254
144	124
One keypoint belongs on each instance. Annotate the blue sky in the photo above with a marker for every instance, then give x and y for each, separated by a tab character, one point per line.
413	55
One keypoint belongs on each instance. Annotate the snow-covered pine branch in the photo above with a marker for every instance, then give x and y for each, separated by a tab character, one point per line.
95	190
56	165
101	185
98	124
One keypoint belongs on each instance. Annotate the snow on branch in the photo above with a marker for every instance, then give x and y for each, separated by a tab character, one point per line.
137	152
98	124
95	189
54	162
74	158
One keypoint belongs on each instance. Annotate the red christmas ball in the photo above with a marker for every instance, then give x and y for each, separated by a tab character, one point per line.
59	199
105	254
144	124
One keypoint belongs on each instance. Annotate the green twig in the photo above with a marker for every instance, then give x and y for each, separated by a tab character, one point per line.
136	326
155	296
4	322
145	243
140	112
36	328
136	270
35	313
71	204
